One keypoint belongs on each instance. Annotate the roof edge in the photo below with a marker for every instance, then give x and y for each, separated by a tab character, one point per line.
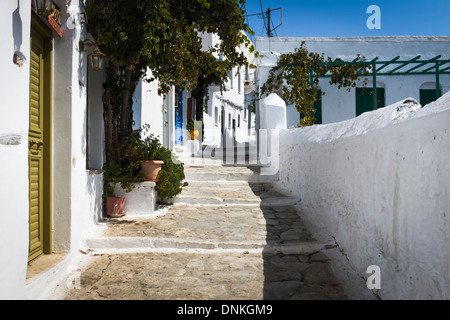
353	39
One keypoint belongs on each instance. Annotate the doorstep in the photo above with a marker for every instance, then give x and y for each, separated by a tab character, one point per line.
42	264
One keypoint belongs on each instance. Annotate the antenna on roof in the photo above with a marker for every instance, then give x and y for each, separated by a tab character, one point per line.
269	24
269	21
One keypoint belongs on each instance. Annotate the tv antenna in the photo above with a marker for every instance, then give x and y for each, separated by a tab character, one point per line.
269	24
269	21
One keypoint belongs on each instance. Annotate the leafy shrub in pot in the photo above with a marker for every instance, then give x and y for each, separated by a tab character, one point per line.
134	150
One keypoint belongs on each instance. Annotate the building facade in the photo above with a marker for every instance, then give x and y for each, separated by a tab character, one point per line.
51	186
338	104
226	117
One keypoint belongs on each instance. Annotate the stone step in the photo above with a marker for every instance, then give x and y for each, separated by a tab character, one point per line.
153	244
227	173
224	226
232	192
219	192
199	200
215	152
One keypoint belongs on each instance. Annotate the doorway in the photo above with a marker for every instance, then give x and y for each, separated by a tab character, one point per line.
39	139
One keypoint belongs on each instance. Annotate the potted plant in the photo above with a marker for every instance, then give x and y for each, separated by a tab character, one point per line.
170	177
135	152
114	206
150	163
169	173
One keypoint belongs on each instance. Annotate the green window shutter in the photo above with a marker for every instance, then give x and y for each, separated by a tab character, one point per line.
427	96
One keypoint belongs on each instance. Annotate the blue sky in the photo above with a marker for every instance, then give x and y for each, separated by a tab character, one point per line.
347	18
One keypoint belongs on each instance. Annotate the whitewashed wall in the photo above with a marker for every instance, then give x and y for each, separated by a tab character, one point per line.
76	191
381	188
14	109
151	106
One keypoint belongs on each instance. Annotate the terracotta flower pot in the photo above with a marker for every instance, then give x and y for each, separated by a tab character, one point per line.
151	169
114	206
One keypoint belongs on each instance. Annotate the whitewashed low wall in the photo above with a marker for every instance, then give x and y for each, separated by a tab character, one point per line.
381	187
141	200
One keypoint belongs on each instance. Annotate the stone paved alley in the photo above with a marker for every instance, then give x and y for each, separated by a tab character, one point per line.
228	236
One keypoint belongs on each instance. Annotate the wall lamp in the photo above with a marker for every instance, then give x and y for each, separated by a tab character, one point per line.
96	57
81	17
43	7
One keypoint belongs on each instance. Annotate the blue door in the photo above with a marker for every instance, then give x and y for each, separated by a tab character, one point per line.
179	118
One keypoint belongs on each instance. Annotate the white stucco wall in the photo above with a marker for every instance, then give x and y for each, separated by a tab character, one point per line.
76	192
14	109
149	108
381	188
152	107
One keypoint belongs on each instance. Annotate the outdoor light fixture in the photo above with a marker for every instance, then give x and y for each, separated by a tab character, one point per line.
96	57
82	18
44	7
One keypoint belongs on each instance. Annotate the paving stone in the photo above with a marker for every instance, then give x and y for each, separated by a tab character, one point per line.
220	240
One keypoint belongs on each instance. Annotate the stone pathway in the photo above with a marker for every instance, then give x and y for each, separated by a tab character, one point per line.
228	236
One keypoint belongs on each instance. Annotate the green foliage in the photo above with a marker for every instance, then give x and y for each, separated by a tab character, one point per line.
163	36
171	175
172	172
127	171
149	147
291	79
190	125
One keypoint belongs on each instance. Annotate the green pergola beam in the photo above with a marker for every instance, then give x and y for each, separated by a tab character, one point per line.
444	70
434	70
440	63
405	63
372	63
424	63
438	85
385	64
343	63
429	73
374	84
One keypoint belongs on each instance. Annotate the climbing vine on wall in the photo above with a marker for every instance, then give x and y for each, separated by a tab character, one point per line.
291	79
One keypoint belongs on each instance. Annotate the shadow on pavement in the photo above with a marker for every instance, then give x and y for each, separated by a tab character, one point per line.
294	265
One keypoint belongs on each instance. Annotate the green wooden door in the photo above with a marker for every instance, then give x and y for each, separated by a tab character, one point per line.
427	96
38	142
364	99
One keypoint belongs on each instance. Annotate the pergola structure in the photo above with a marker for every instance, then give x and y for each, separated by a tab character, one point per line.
395	67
